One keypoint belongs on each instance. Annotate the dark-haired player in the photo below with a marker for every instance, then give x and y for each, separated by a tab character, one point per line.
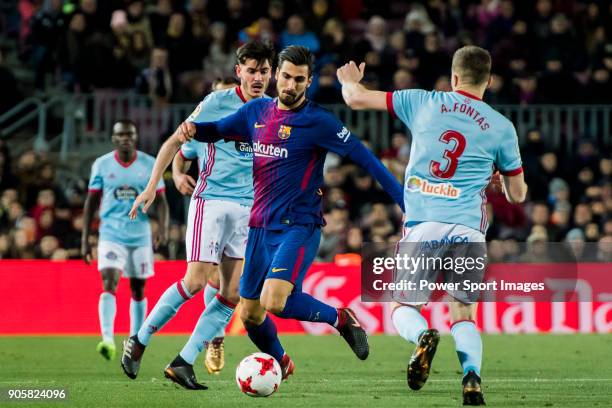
290	136
217	226
457	140
124	246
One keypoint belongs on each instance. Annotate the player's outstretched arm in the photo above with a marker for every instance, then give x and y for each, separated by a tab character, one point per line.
183	134
366	159
356	95
514	188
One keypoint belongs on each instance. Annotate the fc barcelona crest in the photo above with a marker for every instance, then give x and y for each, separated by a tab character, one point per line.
284	132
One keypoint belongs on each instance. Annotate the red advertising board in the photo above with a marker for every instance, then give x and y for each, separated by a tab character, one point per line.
43	297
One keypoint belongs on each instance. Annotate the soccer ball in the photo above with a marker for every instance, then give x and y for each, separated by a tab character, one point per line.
258	375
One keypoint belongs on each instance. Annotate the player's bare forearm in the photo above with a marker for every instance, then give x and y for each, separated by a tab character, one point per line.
514	188
358	97
163	159
180	165
183	182
92	202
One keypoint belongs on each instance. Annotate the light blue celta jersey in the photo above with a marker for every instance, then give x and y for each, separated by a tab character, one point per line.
226	167
457	140
119	184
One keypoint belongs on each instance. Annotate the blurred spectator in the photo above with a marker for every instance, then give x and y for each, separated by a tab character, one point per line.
375	50
156	80
326	88
320	12
159	19
296	34
122	72
10	95
335	45
221	59
138	21
260	30
47	28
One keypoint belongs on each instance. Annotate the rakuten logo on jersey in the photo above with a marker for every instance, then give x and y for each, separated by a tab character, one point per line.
268	150
418	185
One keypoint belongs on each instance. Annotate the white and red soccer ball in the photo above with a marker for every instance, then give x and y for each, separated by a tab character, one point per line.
258	375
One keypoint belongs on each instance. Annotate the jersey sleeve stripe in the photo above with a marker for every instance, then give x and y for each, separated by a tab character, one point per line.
160	190
183	155
94	190
511	172
390	104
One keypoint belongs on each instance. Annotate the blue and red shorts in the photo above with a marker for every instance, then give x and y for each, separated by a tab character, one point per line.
278	254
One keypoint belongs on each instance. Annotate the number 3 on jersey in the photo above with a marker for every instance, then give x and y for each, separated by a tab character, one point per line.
452	156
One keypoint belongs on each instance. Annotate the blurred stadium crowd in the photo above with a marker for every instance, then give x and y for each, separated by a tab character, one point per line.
543	51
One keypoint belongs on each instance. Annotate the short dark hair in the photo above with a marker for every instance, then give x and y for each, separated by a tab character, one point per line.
125	121
473	64
297	55
256	50
228	80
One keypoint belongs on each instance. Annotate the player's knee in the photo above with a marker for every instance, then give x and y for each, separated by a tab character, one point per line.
109	283
231	297
274	305
137	286
193	284
251	317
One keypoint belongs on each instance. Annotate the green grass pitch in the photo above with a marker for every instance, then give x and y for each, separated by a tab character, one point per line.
519	370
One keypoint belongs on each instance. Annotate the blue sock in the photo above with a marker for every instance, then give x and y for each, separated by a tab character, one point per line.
265	337
138	311
214	319
409	322
302	306
165	309
468	345
209	293
107	308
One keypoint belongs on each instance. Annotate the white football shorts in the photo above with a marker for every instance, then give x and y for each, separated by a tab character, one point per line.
133	262
216	228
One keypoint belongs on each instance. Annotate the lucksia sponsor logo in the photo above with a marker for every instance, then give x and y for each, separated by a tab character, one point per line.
446	190
268	150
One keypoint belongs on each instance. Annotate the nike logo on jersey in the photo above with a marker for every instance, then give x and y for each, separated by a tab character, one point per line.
274	270
259	125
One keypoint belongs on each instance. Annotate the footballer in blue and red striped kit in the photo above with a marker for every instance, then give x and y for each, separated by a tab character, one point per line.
290	137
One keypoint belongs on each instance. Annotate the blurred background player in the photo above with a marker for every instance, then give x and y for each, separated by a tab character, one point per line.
125	246
217	225
224	83
290	137
457	140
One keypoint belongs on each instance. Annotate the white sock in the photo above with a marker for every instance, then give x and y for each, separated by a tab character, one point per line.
409	323
138	311
107	308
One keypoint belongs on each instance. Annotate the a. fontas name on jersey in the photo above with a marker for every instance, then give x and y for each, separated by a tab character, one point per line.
468	110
